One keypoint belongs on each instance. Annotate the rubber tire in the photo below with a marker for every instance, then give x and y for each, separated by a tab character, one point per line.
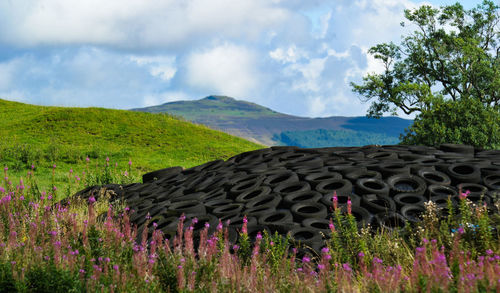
291	187
251	194
439	190
270	200
403	183
376	204
413	212
404	199
317	178
342	199
193	207
280	178
306	210
434	177
463	173
304	196
321	225
372	186
492	181
341	186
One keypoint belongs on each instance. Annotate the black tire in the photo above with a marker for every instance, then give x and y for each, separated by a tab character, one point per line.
434	177
276	217
320	225
190	196
258	211
372	186
363	216
350	154
441	201
341	186
405	199
291	187
237	222
342	199
230	209
376	204
464	173
161	174
188	207
304	196
251	194
381	156
213	195
304	236
280	178
492	181
390	168
269	201
413	212
434	191
316	178
215	203
253	230
478	192
308	161
465	150
404	183
490	170
244	186
391	221
306	210
355	175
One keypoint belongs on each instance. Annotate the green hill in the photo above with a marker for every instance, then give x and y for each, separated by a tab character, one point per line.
46	135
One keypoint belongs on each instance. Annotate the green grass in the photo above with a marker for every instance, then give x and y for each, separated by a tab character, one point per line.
45	135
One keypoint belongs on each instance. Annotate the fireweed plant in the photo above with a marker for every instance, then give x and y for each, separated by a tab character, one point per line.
90	245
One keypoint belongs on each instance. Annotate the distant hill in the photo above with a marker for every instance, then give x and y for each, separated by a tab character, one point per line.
263	125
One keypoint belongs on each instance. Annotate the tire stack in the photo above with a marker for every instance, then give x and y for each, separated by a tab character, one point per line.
290	189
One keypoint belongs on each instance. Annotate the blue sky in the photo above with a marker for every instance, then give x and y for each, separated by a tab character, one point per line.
293	56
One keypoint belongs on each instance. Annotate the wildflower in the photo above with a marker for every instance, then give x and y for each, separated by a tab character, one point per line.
463	196
259	236
235	247
54	188
349	205
361	254
219	226
2	190
115	267
489	252
107	159
32	167
325	250
321	267
92	199
331	226
82	271
346	267
87	159
335	200
54	166
130	162
306	259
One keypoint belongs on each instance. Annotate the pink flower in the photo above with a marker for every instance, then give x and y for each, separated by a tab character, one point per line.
54	166
335	200
92	199
71	171
259	236
464	195
130	162
87	159
349	205
306	259
32	167
107	159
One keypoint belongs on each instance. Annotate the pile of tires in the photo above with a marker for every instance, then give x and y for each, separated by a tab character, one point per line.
290	189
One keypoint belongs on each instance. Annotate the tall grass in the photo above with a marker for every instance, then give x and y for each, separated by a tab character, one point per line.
47	247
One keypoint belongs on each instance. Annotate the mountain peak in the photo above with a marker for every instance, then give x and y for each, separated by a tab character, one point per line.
218	98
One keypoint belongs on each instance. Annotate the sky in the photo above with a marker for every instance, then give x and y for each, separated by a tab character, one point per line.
293	56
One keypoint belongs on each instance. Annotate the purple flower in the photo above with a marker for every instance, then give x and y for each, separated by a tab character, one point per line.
346	267
325	250
54	166
321	267
87	159
306	259
115	267
361	254
130	162
6	168
107	159
259	236
91	199
489	252
32	167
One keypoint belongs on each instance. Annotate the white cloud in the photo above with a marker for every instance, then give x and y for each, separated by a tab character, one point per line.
134	23
162	67
226	69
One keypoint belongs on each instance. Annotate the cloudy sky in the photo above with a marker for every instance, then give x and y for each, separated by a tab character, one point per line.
294	56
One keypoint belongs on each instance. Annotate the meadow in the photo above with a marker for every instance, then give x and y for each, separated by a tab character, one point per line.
48	153
90	246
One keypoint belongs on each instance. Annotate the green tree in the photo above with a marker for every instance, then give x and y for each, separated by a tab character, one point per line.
451	62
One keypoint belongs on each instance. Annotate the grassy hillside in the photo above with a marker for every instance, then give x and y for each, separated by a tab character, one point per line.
44	135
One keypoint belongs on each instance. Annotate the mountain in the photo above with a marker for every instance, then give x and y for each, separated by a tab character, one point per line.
42	136
263	125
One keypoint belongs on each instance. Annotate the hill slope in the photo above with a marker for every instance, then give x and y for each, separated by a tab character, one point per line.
263	125
45	135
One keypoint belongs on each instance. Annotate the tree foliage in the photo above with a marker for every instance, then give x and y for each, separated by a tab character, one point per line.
453	56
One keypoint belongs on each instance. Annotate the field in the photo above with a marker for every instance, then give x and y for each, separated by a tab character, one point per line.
65	137
90	245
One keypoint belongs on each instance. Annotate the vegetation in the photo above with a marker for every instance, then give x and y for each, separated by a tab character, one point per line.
44	137
46	247
451	59
326	138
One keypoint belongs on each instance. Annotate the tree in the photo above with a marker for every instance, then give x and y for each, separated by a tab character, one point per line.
453	57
